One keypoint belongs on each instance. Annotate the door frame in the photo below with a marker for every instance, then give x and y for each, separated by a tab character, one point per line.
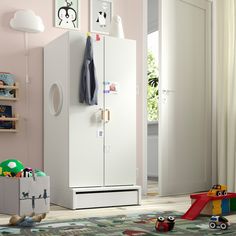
144	96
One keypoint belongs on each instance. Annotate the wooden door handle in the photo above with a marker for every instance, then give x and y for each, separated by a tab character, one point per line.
108	115
105	115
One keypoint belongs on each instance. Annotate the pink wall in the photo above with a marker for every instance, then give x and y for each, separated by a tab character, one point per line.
12	60
131	12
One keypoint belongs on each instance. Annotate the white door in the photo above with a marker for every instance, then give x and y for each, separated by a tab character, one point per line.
120	130
185	96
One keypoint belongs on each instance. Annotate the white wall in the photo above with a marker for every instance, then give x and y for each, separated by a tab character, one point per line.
152	147
153	21
28	147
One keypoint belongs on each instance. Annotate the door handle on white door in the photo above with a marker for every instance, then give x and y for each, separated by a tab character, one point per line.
167	91
102	114
105	115
108	115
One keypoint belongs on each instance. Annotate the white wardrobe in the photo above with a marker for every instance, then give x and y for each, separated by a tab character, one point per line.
90	151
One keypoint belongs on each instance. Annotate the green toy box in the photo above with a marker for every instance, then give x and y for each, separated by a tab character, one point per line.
23	196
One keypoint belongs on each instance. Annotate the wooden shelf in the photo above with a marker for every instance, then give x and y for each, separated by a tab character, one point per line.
9	118
9	87
14	120
8	130
14	87
8	98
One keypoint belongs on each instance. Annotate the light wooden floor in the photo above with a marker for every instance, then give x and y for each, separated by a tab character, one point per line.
149	203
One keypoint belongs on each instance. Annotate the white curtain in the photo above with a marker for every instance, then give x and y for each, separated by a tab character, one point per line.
226	91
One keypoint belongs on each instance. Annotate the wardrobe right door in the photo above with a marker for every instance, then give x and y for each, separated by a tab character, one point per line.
120	109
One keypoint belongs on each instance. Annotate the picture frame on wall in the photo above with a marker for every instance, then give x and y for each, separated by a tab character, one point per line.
67	14
100	16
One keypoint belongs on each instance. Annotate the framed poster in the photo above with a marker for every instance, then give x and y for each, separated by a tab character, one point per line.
67	14
100	16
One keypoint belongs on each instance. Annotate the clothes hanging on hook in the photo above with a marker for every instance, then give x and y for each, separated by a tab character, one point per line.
88	81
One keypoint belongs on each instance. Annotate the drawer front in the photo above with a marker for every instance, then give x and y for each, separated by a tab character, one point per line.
106	199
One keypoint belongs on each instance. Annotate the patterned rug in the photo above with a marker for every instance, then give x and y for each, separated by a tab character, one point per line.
130	225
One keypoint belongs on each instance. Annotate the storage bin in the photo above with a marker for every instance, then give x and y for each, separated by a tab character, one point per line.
24	196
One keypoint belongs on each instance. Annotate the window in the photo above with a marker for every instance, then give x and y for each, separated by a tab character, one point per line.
153	76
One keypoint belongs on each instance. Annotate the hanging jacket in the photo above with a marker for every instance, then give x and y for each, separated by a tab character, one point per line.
88	82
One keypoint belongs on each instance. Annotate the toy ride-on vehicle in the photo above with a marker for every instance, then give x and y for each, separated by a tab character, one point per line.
219	222
218	190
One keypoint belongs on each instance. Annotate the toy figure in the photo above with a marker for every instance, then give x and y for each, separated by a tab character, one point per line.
218	190
26	221
165	225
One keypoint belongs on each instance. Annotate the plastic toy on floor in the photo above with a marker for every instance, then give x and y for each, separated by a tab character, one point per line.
26	221
219	222
218	190
165	225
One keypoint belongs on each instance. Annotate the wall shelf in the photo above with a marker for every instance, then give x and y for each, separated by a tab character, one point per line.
8	130
15	89
13	95
14	120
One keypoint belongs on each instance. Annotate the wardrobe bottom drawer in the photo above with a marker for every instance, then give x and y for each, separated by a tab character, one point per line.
96	199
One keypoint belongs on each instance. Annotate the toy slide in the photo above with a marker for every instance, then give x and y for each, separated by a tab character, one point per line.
196	208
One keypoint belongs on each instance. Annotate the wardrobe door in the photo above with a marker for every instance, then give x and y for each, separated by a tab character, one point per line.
86	126
120	105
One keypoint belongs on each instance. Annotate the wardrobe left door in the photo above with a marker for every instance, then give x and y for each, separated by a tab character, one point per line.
56	117
85	123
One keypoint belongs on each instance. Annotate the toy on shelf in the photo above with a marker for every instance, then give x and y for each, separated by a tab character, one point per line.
219	222
26	221
218	190
165	224
10	167
211	203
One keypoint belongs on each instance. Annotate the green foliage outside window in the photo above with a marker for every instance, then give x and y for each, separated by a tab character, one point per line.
152	90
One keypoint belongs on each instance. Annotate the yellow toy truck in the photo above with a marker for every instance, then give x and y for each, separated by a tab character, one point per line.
218	190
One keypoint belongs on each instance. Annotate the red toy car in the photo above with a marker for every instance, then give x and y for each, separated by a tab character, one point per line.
164	225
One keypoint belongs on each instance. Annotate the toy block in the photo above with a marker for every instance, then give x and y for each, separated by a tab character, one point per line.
217	210
216	203
225	206
233	204
207	210
211	208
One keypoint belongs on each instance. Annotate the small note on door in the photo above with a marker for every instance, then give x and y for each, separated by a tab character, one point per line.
99	133
111	87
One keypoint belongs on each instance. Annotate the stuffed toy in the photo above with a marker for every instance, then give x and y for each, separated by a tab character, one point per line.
39	173
10	167
26	221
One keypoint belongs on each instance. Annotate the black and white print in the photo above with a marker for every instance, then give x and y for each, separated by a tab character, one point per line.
100	16
67	14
